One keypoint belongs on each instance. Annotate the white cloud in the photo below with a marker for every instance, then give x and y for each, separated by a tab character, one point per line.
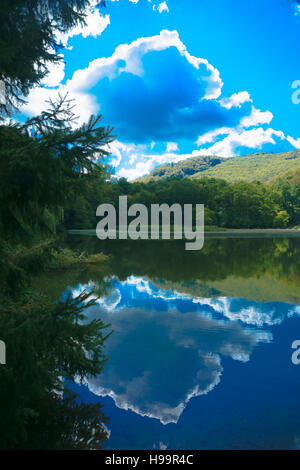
172	147
253	139
131	54
163	7
119	150
257	117
138	160
209	137
146	162
241	136
140	169
236	100
85	103
56	74
95	25
294	142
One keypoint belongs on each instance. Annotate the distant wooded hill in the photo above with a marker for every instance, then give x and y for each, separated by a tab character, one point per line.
263	167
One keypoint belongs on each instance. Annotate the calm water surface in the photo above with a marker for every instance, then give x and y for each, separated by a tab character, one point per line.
200	354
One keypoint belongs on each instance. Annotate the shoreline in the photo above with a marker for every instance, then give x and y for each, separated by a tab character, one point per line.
228	233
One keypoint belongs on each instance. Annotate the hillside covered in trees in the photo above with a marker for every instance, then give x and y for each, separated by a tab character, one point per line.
231	205
262	167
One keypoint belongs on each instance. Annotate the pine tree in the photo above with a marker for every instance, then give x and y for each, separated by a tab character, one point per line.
28	41
46	344
44	163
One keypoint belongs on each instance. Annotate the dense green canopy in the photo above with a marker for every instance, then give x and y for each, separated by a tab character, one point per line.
230	205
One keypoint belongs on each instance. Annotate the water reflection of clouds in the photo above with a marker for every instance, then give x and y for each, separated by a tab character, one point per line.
144	286
109	302
140	292
167	346
159	361
249	312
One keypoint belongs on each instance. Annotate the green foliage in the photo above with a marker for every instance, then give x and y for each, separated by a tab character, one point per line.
232	205
261	167
288	185
47	343
209	217
282	219
182	169
64	258
18	261
43	164
66	424
219	259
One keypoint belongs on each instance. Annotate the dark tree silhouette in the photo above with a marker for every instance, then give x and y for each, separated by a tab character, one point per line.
28	44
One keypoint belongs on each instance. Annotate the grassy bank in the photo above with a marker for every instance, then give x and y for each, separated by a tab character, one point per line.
64	258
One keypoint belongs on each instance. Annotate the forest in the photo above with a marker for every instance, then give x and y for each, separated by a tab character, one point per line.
258	167
229	205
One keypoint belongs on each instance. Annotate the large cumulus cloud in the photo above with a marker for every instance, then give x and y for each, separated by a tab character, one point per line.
151	89
150	350
155	92
169	98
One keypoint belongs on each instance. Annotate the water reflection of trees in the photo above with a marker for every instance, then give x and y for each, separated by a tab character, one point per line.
219	258
45	343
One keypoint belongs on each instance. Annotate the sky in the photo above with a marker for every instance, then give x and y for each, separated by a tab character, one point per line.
182	78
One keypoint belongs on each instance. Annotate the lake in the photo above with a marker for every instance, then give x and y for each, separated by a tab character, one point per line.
200	354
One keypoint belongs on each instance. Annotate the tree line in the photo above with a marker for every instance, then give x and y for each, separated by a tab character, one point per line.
229	205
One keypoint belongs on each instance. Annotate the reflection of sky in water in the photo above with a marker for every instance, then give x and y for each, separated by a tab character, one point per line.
168	347
142	293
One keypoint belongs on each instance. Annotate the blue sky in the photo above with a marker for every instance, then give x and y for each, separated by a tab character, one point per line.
181	78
